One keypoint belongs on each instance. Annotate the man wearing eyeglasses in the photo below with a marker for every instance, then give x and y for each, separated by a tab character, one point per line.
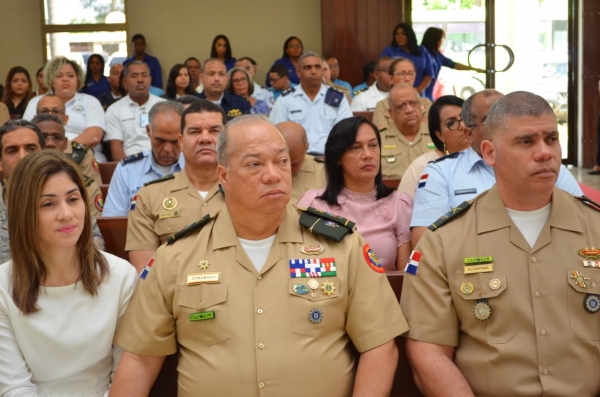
79	153
279	77
459	177
406	138
367	100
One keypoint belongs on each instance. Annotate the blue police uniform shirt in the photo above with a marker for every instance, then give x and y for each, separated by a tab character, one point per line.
460	177
277	93
153	65
344	84
96	88
129	176
233	105
437	61
317	117
423	62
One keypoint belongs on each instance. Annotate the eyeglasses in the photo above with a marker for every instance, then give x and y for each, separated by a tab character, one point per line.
475	125
402	106
294	46
54	137
239	81
403	75
453	124
51	111
272	80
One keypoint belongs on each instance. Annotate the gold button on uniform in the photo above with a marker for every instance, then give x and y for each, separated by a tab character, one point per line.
533	259
261	385
545	371
537	294
259	277
260	311
543	331
261	345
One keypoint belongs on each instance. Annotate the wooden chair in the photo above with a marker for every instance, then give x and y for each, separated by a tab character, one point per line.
392	183
114	231
106	171
366	115
104	191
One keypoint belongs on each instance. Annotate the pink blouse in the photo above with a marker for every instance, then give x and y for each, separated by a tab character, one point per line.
384	223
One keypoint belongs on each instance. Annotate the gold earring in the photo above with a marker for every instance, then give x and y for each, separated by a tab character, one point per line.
446	150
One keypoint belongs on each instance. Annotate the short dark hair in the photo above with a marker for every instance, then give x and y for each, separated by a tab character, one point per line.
201	106
187	99
435	124
125	71
431	39
13	125
213	49
138	36
287	41
252	61
342	137
280	69
411	38
41	118
191	59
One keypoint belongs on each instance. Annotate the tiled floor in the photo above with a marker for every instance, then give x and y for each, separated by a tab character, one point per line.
581	174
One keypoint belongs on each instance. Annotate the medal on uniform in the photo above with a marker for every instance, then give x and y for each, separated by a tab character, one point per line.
482	310
203	264
312	249
495	283
588	253
591	264
580	279
328	288
300	289
467	288
169	203
313	284
315	316
390	160
592	303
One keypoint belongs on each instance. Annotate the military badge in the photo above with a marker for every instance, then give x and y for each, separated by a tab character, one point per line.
482	310
99	202
328	288
580	279
372	260
203	264
312	249
413	263
467	288
301	289
169	203
592	303
588	253
315	316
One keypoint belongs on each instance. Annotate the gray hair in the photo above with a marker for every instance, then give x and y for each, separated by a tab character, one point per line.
40	118
247	73
164	107
223	140
135	62
306	55
53	66
515	104
467	107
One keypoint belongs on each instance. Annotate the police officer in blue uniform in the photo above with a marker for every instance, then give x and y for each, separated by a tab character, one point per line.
312	104
214	80
164	158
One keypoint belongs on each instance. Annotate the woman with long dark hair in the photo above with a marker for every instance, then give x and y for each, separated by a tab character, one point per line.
221	49
404	44
292	50
179	83
96	83
17	91
355	190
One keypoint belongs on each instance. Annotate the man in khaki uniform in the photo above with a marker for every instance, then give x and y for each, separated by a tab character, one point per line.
505	298
308	172
166	205
228	293
402	70
81	154
406	138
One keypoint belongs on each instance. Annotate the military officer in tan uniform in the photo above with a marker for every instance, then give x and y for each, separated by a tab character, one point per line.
502	295
406	138
257	304
81	154
166	205
308	172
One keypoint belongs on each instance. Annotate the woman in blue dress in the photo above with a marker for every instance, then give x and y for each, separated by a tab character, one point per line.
221	49
292	50
404	45
96	83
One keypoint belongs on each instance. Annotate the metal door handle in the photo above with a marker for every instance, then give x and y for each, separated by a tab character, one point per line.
511	56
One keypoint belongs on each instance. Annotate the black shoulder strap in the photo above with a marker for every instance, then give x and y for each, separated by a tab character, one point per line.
449	215
196	226
164	178
589	202
324	224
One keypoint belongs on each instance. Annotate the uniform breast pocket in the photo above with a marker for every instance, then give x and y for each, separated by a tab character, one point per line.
475	292
297	115
315	306
583	298
203	310
169	225
329	113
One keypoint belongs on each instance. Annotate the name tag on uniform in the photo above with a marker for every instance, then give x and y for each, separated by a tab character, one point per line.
169	214
479	264
202	316
465	191
203	278
143	120
296	111
390	146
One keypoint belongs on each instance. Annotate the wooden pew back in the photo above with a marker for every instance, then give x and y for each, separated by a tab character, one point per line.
106	171
114	231
366	115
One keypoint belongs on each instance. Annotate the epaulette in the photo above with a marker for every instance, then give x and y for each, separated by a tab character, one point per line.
355	93
448	156
589	202
162	179
288	91
196	226
319	159
87	180
333	97
133	158
324	224
449	215
79	151
383	129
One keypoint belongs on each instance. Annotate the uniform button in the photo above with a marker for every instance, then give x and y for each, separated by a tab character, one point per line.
203	203
533	259
260	311
259	277
261	345
543	331
168	228
545	371
261	385
313	295
537	294
593	284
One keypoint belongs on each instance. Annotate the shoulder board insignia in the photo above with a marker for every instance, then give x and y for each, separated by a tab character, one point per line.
80	146
196	226
133	158
288	91
359	91
449	215
78	152
383	129
87	180
333	97
320	159
325	224
589	202
164	178
448	156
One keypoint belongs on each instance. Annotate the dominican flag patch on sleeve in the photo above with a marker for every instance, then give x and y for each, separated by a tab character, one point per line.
132	203
413	263
423	180
146	270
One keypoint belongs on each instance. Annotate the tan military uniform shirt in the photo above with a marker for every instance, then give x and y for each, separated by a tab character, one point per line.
155	217
381	114
311	176
87	163
539	339
95	198
261	341
397	153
